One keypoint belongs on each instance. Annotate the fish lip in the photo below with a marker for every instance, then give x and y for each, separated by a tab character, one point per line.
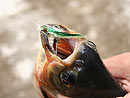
45	42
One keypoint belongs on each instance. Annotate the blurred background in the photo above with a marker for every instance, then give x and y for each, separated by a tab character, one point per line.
105	22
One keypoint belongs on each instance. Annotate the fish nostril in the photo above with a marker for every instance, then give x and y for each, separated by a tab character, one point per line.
92	45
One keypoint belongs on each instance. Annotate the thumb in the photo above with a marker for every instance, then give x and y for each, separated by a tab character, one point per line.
118	65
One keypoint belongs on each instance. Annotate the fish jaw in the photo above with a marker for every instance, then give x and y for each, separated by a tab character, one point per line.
42	80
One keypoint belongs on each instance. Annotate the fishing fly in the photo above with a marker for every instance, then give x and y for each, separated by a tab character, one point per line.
58	31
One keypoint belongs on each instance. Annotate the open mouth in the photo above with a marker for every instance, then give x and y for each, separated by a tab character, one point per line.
59	40
62	47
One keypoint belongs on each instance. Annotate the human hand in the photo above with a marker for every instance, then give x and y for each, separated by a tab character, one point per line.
119	66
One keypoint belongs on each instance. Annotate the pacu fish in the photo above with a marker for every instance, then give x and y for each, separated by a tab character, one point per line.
72	66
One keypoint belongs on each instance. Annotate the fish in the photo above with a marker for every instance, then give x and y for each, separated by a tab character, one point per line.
69	64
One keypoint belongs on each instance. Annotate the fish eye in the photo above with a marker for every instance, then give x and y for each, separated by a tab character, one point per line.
68	78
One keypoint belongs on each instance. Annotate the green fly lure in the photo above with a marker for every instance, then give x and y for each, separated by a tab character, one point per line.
59	31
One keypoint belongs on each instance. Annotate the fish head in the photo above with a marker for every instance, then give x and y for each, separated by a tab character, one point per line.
72	67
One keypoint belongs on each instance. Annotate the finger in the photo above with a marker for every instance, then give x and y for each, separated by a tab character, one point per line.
61	96
118	65
127	95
